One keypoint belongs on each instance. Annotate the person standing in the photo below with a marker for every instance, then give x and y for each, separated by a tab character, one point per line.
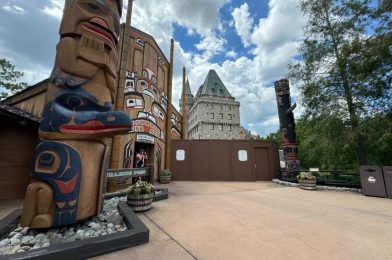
141	158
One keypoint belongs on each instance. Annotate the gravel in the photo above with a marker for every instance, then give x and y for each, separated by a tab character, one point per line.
23	239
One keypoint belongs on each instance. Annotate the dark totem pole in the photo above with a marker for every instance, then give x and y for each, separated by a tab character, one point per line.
71	157
287	126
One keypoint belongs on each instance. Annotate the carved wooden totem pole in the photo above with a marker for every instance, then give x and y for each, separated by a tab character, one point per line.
287	126
70	159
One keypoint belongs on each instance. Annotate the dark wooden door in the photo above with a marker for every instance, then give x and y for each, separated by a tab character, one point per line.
200	161
263	172
242	161
220	161
180	160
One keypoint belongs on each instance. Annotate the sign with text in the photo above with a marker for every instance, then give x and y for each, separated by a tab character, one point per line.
136	172
145	138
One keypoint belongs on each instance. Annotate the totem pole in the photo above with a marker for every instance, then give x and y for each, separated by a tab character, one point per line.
287	126
70	159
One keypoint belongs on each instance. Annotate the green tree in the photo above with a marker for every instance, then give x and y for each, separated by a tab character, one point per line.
8	79
344	70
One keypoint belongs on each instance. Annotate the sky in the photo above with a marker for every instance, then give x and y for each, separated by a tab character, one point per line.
248	43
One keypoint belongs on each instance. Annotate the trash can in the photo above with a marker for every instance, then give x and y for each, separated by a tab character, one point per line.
372	181
387	170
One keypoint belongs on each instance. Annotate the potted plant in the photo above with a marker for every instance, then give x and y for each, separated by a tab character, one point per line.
165	176
306	181
140	195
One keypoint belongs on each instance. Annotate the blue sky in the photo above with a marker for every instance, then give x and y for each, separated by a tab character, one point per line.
249	44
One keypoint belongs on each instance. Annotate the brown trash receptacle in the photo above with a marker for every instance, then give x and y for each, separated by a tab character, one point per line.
372	181
387	170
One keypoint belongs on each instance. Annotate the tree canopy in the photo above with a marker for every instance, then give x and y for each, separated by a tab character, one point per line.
9	84
344	74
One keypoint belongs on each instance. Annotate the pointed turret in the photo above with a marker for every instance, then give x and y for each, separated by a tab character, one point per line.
213	86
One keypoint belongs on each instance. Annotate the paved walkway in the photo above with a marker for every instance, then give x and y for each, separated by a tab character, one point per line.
261	220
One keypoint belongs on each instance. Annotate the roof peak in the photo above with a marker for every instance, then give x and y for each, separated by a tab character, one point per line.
213	86
188	88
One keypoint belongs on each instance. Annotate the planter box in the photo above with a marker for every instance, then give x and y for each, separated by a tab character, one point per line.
140	202
164	179
307	184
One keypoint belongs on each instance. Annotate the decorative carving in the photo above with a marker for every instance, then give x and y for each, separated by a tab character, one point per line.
287	125
70	160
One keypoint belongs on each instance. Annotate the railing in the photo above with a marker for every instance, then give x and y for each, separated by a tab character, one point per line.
339	178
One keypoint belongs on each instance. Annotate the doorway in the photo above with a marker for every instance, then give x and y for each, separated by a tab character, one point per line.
148	149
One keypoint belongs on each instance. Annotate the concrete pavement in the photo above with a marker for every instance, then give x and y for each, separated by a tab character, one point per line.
262	220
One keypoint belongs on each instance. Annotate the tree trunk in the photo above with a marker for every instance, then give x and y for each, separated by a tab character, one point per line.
354	120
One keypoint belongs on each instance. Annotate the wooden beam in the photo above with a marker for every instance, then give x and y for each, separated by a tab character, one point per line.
169	109
183	105
124	57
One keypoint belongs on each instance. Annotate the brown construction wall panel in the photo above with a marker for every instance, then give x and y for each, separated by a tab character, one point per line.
180	168
220	161
262	168
17	144
242	161
200	160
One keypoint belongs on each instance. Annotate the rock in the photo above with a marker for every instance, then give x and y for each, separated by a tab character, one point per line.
24	230
15	249
104	233
109	230
15	241
69	233
20	251
17	236
51	232
116	219
18	229
5	249
69	239
13	233
101	217
46	244
108	207
25	248
28	240
110	225
98	233
79	234
5	242
119	227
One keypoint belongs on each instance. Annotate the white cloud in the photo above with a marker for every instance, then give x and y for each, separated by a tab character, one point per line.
243	23
54	9
231	54
14	9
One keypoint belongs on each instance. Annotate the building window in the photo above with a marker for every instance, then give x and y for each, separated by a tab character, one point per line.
229	108
211	127
211	115
221	127
220	116
212	106
229	127
229	116
220	107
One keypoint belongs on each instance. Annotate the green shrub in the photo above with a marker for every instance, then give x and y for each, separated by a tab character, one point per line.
306	176
140	187
165	172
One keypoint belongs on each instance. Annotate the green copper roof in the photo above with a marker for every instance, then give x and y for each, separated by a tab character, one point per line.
188	88
213	86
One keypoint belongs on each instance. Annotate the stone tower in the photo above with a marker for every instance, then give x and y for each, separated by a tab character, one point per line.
189	97
213	113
